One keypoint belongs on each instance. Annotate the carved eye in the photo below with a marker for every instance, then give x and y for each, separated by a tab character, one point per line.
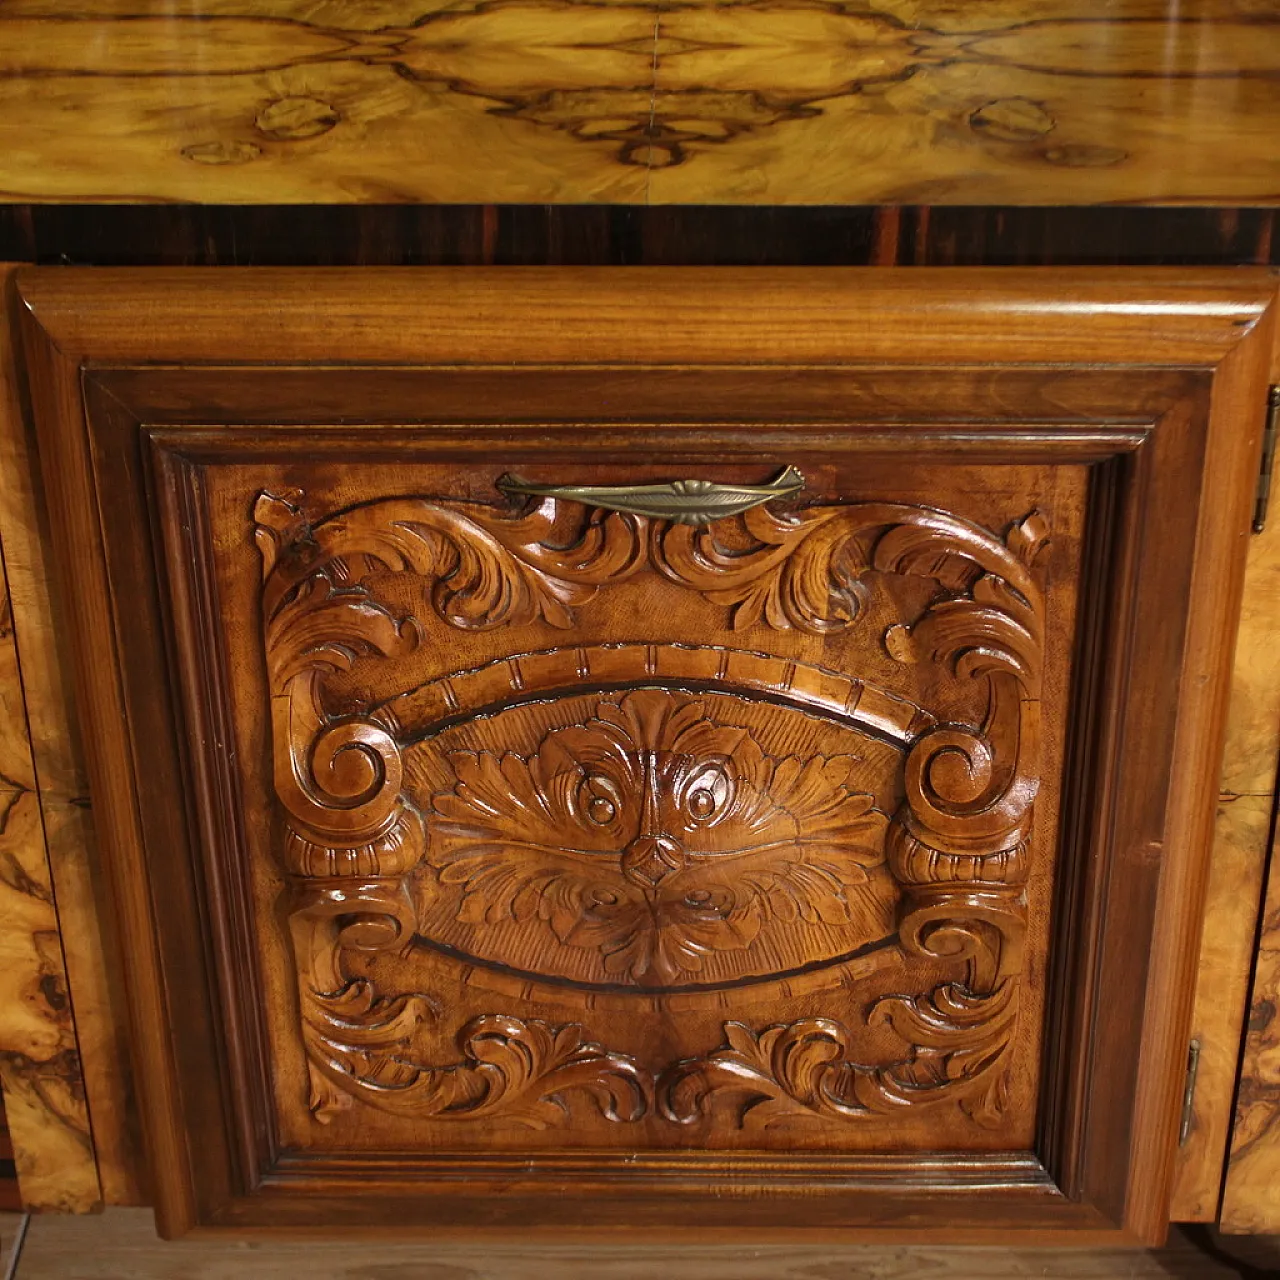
708	793
598	798
709	903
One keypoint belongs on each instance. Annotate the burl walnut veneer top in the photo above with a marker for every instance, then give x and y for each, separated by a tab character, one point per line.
637	101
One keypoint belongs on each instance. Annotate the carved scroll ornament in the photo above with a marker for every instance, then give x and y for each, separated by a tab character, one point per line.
957	846
656	834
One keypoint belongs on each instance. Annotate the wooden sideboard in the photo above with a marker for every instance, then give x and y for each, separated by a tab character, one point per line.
900	134
497	834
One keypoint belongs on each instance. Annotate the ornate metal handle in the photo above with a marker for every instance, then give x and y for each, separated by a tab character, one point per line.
695	502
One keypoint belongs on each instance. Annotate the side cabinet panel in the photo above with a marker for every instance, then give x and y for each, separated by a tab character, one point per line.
1242	834
1250	1201
40	1063
622	749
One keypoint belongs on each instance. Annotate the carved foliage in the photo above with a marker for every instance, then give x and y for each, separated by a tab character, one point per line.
659	797
957	846
352	832
527	1071
656	833
960	1043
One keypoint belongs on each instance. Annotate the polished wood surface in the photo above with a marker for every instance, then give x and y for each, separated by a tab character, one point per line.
1251	1190
1109	1083
48	1127
60	797
550	101
586	316
471	235
1250	1202
474	235
40	1066
1241	841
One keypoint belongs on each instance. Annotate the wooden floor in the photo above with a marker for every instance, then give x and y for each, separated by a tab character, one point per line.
121	1245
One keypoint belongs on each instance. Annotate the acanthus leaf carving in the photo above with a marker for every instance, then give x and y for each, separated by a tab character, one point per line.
486	568
960	1044
656	833
957	846
367	1047
521	1070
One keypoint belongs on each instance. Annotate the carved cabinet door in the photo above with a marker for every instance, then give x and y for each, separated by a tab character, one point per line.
690	750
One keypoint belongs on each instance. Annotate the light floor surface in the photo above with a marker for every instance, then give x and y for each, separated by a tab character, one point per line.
121	1245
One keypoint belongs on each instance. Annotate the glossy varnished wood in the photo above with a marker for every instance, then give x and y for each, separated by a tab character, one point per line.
583	235
1249	1199
83	913
1250	1202
586	316
641	103
40	1066
515	235
1114	1115
1229	950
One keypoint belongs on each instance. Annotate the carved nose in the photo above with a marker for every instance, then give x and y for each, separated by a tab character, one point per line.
648	860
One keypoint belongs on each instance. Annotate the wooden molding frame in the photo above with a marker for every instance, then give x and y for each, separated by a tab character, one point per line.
123	363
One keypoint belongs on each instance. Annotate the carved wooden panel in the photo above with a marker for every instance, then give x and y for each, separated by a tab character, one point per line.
785	798
654	839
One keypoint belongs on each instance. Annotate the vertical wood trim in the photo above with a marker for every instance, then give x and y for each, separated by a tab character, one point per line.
1251	1187
1234	443
1251	1183
40	1070
67	469
1236	878
92	968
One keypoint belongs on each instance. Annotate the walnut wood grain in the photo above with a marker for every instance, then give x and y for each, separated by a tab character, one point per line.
632	103
41	1068
61	784
44	1096
1237	878
327	815
586	316
688	883
1249	1199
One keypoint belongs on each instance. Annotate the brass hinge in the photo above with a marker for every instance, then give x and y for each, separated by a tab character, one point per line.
1270	431
1189	1091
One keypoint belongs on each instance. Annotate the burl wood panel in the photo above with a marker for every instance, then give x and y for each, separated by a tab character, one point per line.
539	838
60	791
44	1097
40	1066
1239	861
634	102
1234	912
1251	1195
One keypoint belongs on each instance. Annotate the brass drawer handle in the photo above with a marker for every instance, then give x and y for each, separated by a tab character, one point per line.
695	502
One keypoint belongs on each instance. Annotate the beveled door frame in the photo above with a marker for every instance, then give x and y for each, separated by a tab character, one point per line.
90	335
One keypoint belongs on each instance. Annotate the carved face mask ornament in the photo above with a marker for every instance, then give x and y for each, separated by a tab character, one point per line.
657	835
